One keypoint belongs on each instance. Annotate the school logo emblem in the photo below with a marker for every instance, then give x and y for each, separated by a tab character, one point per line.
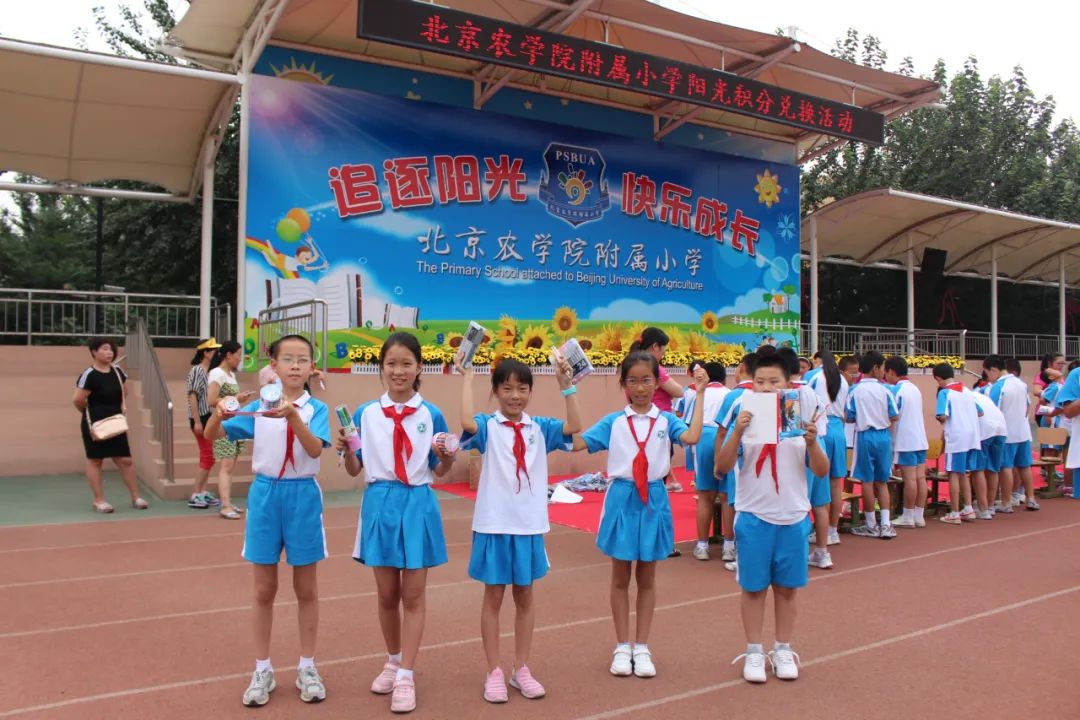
421	428
573	187
661	434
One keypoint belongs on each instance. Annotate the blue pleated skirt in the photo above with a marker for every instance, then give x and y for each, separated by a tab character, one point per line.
400	527
499	559
629	530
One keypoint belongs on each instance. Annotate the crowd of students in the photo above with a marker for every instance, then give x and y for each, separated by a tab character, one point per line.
769	491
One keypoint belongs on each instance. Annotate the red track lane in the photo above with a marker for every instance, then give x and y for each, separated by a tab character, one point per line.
940	615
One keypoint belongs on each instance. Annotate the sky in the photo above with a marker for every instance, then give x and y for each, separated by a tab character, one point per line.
997	33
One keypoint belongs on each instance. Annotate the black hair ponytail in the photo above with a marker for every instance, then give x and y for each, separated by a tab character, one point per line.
832	374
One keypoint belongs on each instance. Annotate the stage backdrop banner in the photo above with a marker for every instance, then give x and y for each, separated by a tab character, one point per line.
405	215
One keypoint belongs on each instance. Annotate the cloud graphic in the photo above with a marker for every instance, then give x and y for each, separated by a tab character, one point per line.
663	312
748	302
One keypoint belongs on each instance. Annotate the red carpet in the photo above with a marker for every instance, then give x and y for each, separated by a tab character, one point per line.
585	515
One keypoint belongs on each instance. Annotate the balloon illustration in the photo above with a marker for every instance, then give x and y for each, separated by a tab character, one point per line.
289	230
301	218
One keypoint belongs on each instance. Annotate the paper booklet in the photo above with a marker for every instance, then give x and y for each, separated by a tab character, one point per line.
474	338
775	416
573	354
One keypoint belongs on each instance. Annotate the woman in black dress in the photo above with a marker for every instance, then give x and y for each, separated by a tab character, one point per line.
99	393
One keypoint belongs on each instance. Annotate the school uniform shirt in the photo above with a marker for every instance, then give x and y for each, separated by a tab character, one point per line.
724	414
682	405
1069	393
816	380
715	393
1049	395
782	499
612	433
962	412
812	407
909	435
377	439
1010	393
509	503
992	421
269	457
870	406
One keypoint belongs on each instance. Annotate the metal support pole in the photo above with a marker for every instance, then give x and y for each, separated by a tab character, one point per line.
1061	304
241	210
98	248
814	287
910	296
993	300
206	249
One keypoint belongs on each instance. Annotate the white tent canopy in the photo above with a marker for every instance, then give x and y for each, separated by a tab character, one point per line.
891	226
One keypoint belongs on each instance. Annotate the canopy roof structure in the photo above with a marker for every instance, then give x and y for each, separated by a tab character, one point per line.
881	225
211	34
74	118
887	227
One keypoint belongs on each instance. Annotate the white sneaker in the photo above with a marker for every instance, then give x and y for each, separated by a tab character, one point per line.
985	515
674	486
621	662
1018	498
903	522
785	664
643	664
834	537
310	685
259	689
732	566
701	552
728	554
886	532
866	531
753	669
920	522
821	559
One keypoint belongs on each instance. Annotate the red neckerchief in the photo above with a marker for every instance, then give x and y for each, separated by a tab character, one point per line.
519	453
768	452
958	387
641	460
746	384
402	444
290	436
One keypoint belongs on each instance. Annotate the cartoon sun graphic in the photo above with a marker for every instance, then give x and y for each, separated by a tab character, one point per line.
574	184
301	73
709	321
698	344
565	321
536	337
453	340
507	335
768	189
610	338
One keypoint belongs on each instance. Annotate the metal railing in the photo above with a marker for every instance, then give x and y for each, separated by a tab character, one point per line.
155	392
920	342
842	339
308	318
76	314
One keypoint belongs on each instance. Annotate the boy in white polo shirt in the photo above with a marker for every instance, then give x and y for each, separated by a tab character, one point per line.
1011	395
284	508
992	431
959	413
771	524
909	442
873	410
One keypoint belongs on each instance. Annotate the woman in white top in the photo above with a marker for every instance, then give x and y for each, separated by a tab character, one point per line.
221	383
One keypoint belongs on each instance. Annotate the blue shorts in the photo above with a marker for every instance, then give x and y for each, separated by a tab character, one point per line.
873	456
400	527
836	448
1016	455
284	514
819	489
705	479
771	554
911	458
992	449
963	462
507	559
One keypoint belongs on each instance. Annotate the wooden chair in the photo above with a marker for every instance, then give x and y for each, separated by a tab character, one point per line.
935	476
1049	460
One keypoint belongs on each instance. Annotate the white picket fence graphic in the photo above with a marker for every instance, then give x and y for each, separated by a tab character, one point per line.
766	323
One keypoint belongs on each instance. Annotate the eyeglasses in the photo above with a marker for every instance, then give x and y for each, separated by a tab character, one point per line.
643	382
290	360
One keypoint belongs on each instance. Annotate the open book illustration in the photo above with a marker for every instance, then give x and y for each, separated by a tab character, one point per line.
774	416
347	306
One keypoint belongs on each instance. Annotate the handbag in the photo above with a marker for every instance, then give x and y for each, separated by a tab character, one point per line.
110	427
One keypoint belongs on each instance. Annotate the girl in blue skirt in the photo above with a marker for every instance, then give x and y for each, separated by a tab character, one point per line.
400	534
511	515
636	524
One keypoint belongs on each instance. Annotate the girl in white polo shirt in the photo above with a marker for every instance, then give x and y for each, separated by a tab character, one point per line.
400	534
636	524
511	515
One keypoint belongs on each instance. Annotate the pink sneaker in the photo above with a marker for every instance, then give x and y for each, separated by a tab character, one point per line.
529	686
404	697
495	687
383	684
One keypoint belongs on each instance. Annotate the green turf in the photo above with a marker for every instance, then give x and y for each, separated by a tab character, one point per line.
66	499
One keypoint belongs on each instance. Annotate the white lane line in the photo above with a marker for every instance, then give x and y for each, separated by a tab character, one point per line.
133	692
690	694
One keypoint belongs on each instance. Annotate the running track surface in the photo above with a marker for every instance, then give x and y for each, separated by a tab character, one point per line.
149	619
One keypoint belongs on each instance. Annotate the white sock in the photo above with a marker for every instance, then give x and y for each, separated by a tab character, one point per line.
305	662
642	647
781	645
884	517
263	665
917	512
395	658
622	647
403	674
870	519
703	543
834	529
729	544
967	509
751	648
